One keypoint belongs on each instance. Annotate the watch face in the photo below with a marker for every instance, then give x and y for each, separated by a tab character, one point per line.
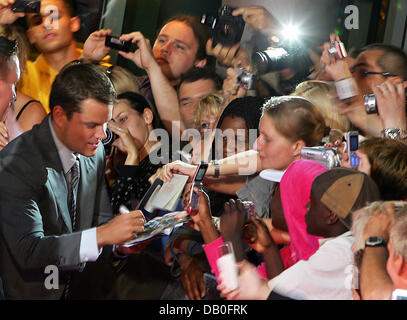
374	241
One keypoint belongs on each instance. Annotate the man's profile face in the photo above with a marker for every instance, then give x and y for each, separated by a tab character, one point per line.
7	85
189	95
84	131
51	31
367	61
315	217
175	50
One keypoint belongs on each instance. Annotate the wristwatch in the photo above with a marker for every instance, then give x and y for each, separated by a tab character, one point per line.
375	242
216	167
394	133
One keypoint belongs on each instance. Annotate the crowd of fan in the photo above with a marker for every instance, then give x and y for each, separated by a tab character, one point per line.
318	232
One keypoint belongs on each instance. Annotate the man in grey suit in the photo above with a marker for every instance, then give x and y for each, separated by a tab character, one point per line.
47	220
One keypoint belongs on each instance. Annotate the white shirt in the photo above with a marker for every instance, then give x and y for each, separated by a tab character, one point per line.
324	276
88	250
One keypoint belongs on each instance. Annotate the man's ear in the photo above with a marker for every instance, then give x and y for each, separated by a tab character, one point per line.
200	63
402	268
59	116
75	24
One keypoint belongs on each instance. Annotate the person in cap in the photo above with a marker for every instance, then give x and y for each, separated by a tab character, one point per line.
335	194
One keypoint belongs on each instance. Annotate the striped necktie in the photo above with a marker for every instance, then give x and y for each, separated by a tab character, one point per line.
73	183
74	175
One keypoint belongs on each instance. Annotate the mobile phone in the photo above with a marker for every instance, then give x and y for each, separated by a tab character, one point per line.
26	6
352	145
115	43
198	178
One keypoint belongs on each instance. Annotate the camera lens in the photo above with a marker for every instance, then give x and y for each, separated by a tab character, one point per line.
271	60
225	34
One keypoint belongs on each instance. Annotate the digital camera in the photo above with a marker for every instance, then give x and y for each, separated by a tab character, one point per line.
226	29
371	103
114	43
246	79
338	50
26	6
330	158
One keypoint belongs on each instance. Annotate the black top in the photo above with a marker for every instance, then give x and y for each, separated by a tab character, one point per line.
132	183
24	107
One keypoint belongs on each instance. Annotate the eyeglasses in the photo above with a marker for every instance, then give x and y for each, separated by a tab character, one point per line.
366	73
384	74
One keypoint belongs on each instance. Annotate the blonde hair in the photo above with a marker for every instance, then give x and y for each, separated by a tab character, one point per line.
209	104
320	94
123	80
398	237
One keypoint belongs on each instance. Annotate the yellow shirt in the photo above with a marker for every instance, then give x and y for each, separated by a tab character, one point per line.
37	79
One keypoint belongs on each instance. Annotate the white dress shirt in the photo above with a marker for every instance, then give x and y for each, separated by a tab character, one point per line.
324	276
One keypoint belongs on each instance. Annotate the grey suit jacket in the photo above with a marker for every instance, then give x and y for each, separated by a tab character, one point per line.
35	225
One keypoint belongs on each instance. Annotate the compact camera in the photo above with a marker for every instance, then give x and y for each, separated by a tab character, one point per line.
226	29
338	50
371	103
114	43
330	158
245	78
26	6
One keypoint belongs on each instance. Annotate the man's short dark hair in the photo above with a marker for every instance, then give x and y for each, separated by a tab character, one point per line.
77	82
8	48
393	60
197	73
